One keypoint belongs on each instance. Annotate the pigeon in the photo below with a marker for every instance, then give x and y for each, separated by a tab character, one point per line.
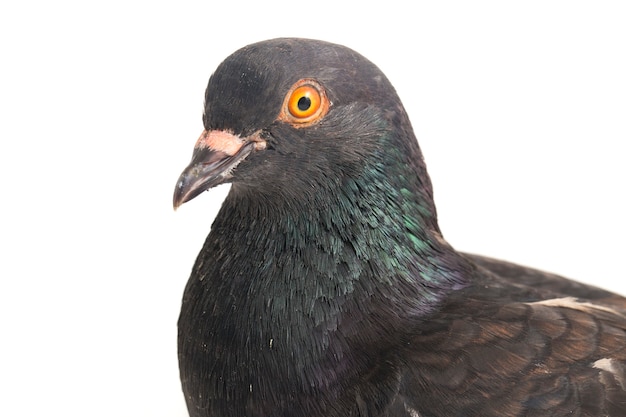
325	286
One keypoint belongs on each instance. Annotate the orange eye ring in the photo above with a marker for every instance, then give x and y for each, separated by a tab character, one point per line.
305	104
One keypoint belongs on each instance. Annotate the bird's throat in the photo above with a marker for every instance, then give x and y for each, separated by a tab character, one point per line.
297	289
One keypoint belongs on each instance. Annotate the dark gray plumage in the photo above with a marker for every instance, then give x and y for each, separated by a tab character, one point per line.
325	287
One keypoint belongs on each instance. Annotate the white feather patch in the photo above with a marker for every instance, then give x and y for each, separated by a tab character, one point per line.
574	304
612	367
412	412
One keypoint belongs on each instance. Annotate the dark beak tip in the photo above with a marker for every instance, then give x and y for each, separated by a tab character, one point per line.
193	181
181	192
177	202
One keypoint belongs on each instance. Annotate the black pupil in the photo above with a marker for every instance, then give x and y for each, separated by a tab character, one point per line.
304	103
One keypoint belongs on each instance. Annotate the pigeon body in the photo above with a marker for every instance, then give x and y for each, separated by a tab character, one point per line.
325	287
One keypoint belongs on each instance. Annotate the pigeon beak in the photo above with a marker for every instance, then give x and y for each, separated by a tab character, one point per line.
215	155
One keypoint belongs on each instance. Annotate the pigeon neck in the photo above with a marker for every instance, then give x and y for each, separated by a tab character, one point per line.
278	277
369	235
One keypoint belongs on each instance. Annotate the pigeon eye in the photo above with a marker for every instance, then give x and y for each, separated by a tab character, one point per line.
305	103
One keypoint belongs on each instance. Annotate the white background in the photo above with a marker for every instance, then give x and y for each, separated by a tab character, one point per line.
520	111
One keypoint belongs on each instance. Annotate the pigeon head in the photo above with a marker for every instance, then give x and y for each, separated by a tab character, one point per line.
300	120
